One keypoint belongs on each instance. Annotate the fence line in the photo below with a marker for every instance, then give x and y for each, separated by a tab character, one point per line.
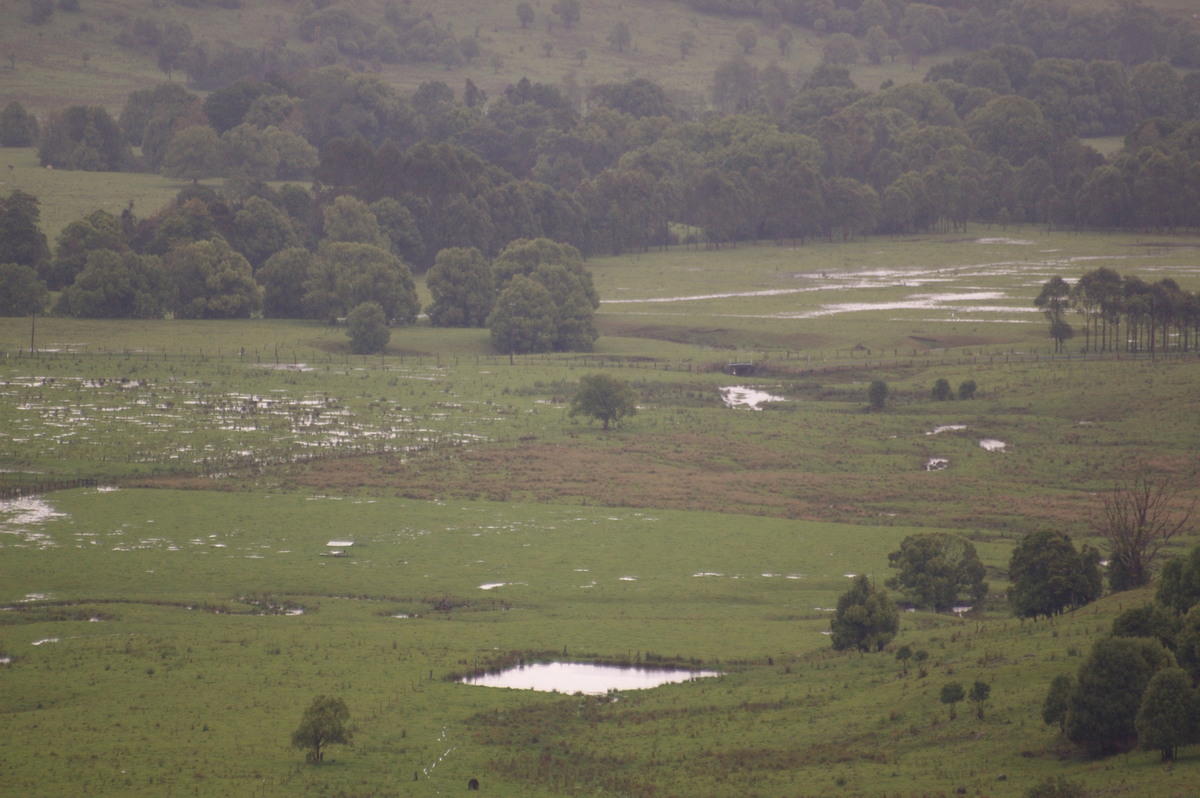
774	360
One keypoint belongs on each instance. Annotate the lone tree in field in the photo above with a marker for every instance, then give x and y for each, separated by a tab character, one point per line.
525	15
1139	519
877	393
980	692
603	398
568	10
323	723
937	570
952	693
865	619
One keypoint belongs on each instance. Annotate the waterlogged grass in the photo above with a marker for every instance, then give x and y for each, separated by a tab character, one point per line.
887	296
149	642
563	570
166	695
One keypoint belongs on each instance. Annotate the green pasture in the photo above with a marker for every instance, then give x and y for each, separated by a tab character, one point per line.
64	196
143	690
149	642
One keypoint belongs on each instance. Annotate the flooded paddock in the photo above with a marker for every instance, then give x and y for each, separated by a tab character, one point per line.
745	396
584	677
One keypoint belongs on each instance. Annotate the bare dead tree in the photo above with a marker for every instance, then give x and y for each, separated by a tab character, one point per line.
1138	519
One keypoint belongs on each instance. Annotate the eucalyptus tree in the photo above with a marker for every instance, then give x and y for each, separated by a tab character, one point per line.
323	723
1054	300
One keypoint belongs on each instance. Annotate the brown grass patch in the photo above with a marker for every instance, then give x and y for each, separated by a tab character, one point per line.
692	472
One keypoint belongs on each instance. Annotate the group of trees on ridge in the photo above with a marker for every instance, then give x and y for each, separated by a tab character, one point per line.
1138	687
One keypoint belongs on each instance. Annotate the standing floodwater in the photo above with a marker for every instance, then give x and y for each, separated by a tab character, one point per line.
584	677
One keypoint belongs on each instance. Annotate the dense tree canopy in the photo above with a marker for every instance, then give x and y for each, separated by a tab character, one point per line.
345	275
18	127
523	319
1103	703
212	281
993	135
463	288
84	137
1048	575
1179	582
1168	715
99	230
22	292
559	269
367	327
118	285
865	618
21	239
938	570
282	278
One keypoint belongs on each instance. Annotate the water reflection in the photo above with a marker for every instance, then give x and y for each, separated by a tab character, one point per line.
584	677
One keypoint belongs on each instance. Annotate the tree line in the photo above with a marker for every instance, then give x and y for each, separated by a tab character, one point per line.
1122	314
990	137
1130	31
200	258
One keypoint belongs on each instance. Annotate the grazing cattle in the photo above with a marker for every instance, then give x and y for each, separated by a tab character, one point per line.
473	784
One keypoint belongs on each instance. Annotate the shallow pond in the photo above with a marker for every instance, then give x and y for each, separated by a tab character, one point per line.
745	396
584	677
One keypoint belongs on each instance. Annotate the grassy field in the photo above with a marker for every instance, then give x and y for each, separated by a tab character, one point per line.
170	619
142	698
48	69
65	196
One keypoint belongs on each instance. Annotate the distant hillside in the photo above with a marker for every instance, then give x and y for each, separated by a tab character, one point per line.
100	51
74	58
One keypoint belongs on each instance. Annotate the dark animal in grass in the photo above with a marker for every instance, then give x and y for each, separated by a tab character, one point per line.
473	784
